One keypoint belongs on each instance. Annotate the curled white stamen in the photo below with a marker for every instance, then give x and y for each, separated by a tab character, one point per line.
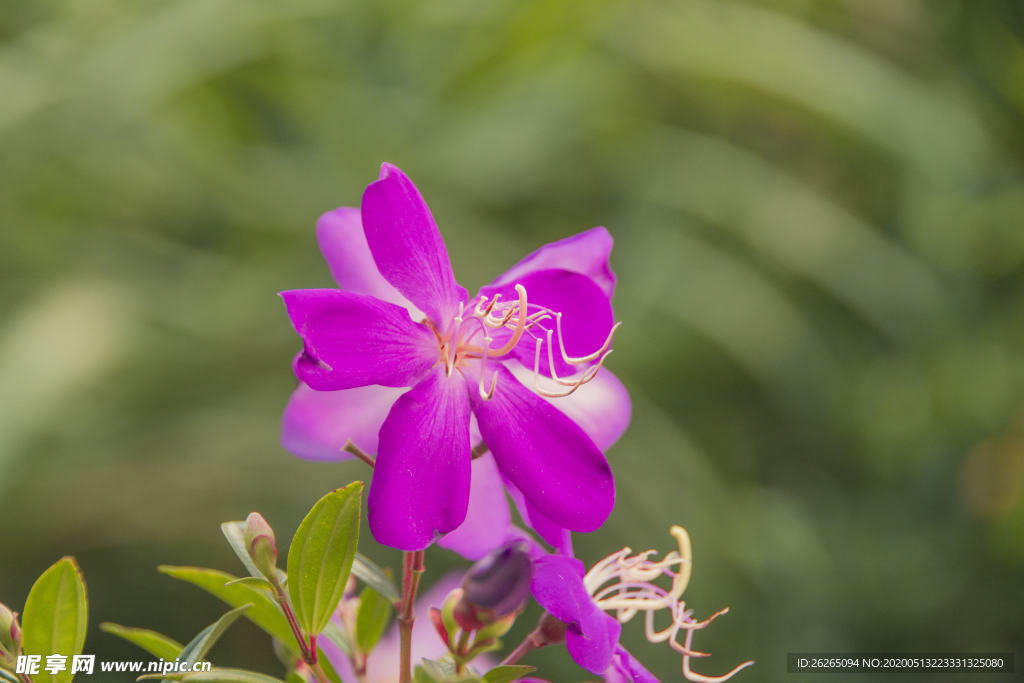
632	592
488	395
582	359
520	324
573	385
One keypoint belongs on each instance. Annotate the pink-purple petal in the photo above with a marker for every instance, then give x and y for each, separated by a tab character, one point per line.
626	669
592	635
487	519
587	317
343	245
601	407
586	253
352	340
420	486
407	246
545	454
558	537
317	424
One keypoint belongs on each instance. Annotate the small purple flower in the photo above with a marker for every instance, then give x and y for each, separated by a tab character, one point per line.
622	584
466	361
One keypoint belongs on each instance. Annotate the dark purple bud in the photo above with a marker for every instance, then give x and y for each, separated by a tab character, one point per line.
495	586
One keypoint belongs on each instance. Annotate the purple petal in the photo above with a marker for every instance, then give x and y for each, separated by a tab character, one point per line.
592	635
585	253
407	246
352	340
343	244
558	587
593	645
420	486
626	669
317	424
557	536
488	517
586	316
550	459
601	407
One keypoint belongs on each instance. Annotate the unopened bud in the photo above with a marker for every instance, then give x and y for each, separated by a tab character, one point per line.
495	587
10	630
259	543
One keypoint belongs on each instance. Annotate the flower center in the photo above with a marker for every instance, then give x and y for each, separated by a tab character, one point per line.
470	337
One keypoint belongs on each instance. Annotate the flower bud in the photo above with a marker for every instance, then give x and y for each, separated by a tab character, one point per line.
259	543
10	631
495	587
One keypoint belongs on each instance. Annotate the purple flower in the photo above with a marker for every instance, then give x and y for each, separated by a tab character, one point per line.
622	584
403	321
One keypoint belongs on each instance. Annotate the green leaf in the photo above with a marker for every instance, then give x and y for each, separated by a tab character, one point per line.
200	645
8	677
372	619
56	617
375	577
439	671
219	675
508	673
156	644
320	557
264	613
420	675
254	582
235	533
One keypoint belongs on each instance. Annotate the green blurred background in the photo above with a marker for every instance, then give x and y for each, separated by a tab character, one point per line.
817	207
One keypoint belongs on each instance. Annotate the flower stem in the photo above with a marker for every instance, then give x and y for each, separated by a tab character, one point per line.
549	631
319	673
355	450
526	646
412	568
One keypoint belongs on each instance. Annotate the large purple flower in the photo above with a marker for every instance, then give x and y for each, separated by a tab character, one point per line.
625	585
403	321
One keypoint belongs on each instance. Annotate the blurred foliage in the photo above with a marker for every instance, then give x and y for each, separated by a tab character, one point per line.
818	209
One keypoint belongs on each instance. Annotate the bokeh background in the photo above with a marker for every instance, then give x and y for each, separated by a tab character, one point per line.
817	207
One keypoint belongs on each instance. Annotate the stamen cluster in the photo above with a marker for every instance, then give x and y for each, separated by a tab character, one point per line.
633	591
458	346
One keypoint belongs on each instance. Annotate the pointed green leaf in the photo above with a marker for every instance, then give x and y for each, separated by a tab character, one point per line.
372	619
264	613
508	673
375	577
200	645
156	644
56	617
8	677
321	555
